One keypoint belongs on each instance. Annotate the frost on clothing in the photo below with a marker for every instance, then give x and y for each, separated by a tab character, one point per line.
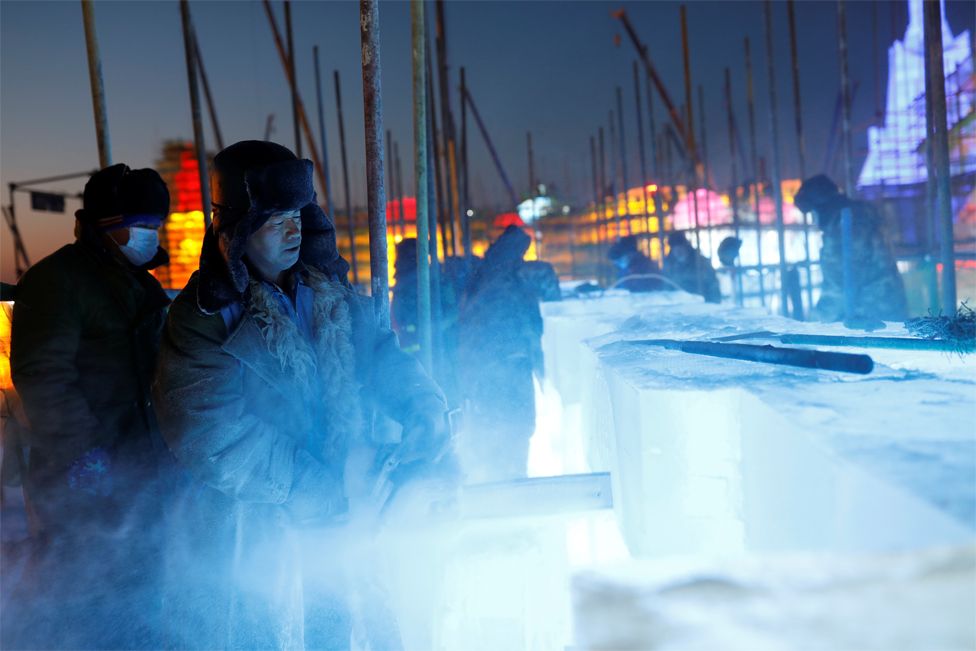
261	392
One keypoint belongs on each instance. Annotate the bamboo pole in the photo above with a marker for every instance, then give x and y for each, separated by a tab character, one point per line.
350	218
623	159
465	200
292	77
734	193
323	143
800	140
754	160
774	143
655	168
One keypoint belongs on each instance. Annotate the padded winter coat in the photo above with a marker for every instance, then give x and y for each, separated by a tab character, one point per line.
261	465
84	340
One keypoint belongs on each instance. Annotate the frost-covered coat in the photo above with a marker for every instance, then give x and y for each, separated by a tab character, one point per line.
878	289
693	272
500	347
260	395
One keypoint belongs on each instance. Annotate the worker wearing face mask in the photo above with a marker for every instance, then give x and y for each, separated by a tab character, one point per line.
86	328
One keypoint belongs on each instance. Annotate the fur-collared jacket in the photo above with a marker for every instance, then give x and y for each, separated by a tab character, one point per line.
260	392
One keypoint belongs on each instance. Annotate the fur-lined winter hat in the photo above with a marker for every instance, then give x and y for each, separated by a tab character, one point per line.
250	181
117	197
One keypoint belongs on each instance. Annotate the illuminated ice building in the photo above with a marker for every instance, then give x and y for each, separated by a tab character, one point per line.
896	169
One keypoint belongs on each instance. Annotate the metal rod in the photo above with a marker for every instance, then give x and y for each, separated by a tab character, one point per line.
350	218
656	168
306	128
615	173
439	217
418	38
323	143
642	50
433	199
686	57
754	160
734	191
774	143
532	186
642	159
369	33
391	179
199	146
292	80
801	150
401	210
596	192
448	138
939	172
21	260
491	148
97	85
845	89
601	222
705	168
465	200
211	107
623	158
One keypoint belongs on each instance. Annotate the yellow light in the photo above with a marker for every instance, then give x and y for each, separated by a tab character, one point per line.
397	238
652	187
6	315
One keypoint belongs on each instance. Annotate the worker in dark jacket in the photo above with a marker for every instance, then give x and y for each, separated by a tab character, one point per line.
270	369
635	271
85	335
690	270
500	348
878	289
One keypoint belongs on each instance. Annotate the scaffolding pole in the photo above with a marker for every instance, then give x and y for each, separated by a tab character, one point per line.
801	150
198	142
845	90
465	201
322	137
774	144
350	218
97	84
369	31
418	46
751	105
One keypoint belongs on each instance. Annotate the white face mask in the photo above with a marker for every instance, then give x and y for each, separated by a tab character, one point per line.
142	245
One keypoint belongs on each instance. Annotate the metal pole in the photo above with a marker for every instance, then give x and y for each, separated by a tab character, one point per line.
774	143
939	137
705	168
97	85
491	148
436	203
448	154
211	107
369	33
694	158
800	140
845	89
418	33
292	79
734	193
656	168
322	136
596	194
465	201
283	57
623	156
191	74
532	186
751	105
401	211
350	219
642	158
391	179
433	200
601	227
615	174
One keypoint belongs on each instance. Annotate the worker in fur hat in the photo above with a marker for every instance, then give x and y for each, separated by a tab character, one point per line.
85	333
270	371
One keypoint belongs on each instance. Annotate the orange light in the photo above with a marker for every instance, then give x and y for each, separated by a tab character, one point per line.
6	316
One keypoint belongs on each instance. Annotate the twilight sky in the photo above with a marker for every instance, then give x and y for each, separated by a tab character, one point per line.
547	67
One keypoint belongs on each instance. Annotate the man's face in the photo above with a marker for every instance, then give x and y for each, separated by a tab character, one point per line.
274	247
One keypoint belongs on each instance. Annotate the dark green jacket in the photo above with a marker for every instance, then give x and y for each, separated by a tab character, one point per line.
85	335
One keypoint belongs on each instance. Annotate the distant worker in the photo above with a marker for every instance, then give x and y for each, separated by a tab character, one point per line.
85	335
878	289
635	271
403	309
690	270
542	276
500	349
